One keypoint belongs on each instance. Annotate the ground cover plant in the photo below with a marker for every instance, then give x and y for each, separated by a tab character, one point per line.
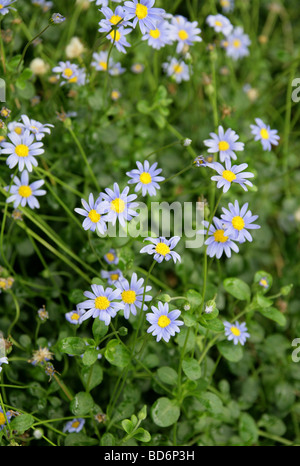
149	239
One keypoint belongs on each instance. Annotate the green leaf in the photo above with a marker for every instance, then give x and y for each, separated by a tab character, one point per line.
22	423
107	440
127	426
212	403
116	354
215	325
76	296
237	288
167	375
72	345
231	352
92	376
142	414
247	429
81	404
90	356
195	299
79	440
99	329
191	368
273	314
165	412
142	435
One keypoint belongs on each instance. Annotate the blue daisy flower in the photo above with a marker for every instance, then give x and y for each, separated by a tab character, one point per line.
184	32
22	149
112	276
161	248
159	36
112	18
265	134
237	44
133	295
225	142
101	304
236	332
117	37
5	6
177	69
111	257
237	221
74	316
217	242
220	24
22	193
95	214
227	5
67	70
35	127
164	323
231	174
143	13
146	178
120	204
76	425
3	417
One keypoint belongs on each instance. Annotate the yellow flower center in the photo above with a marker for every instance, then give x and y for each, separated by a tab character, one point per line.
224	3
3	286
141	11
118	205
115	19
4	112
76	424
218	23
2	417
129	296
102	303
110	256
94	216
22	150
73	80
223	145
163	321
75	316
228	175
177	68
1	6
264	133
235	331
25	191
68	72
238	223
183	35
103	64
145	178
155	33
263	282
162	248
115	95
219	236
237	43
114	276
18	130
115	35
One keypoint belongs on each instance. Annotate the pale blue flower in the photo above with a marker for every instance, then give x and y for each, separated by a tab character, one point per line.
231	174
164	323
22	149
225	142
177	69
112	276
22	193
142	12
111	257
227	5
3	360
265	134
74	316
5	6
146	178
237	221
237	44
159	36
117	37
8	415
102	304
95	214
112	18
76	425
162	248
220	24
120	203
133	295
184	32
236	332
217	242
57	18
35	127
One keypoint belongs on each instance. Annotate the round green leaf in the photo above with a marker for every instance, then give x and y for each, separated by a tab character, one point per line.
237	288
81	404
116	354
167	375
165	412
230	351
72	345
191	368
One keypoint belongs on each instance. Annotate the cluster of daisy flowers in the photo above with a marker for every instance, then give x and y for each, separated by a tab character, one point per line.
22	144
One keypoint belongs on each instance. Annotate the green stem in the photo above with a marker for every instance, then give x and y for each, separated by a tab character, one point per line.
28	44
